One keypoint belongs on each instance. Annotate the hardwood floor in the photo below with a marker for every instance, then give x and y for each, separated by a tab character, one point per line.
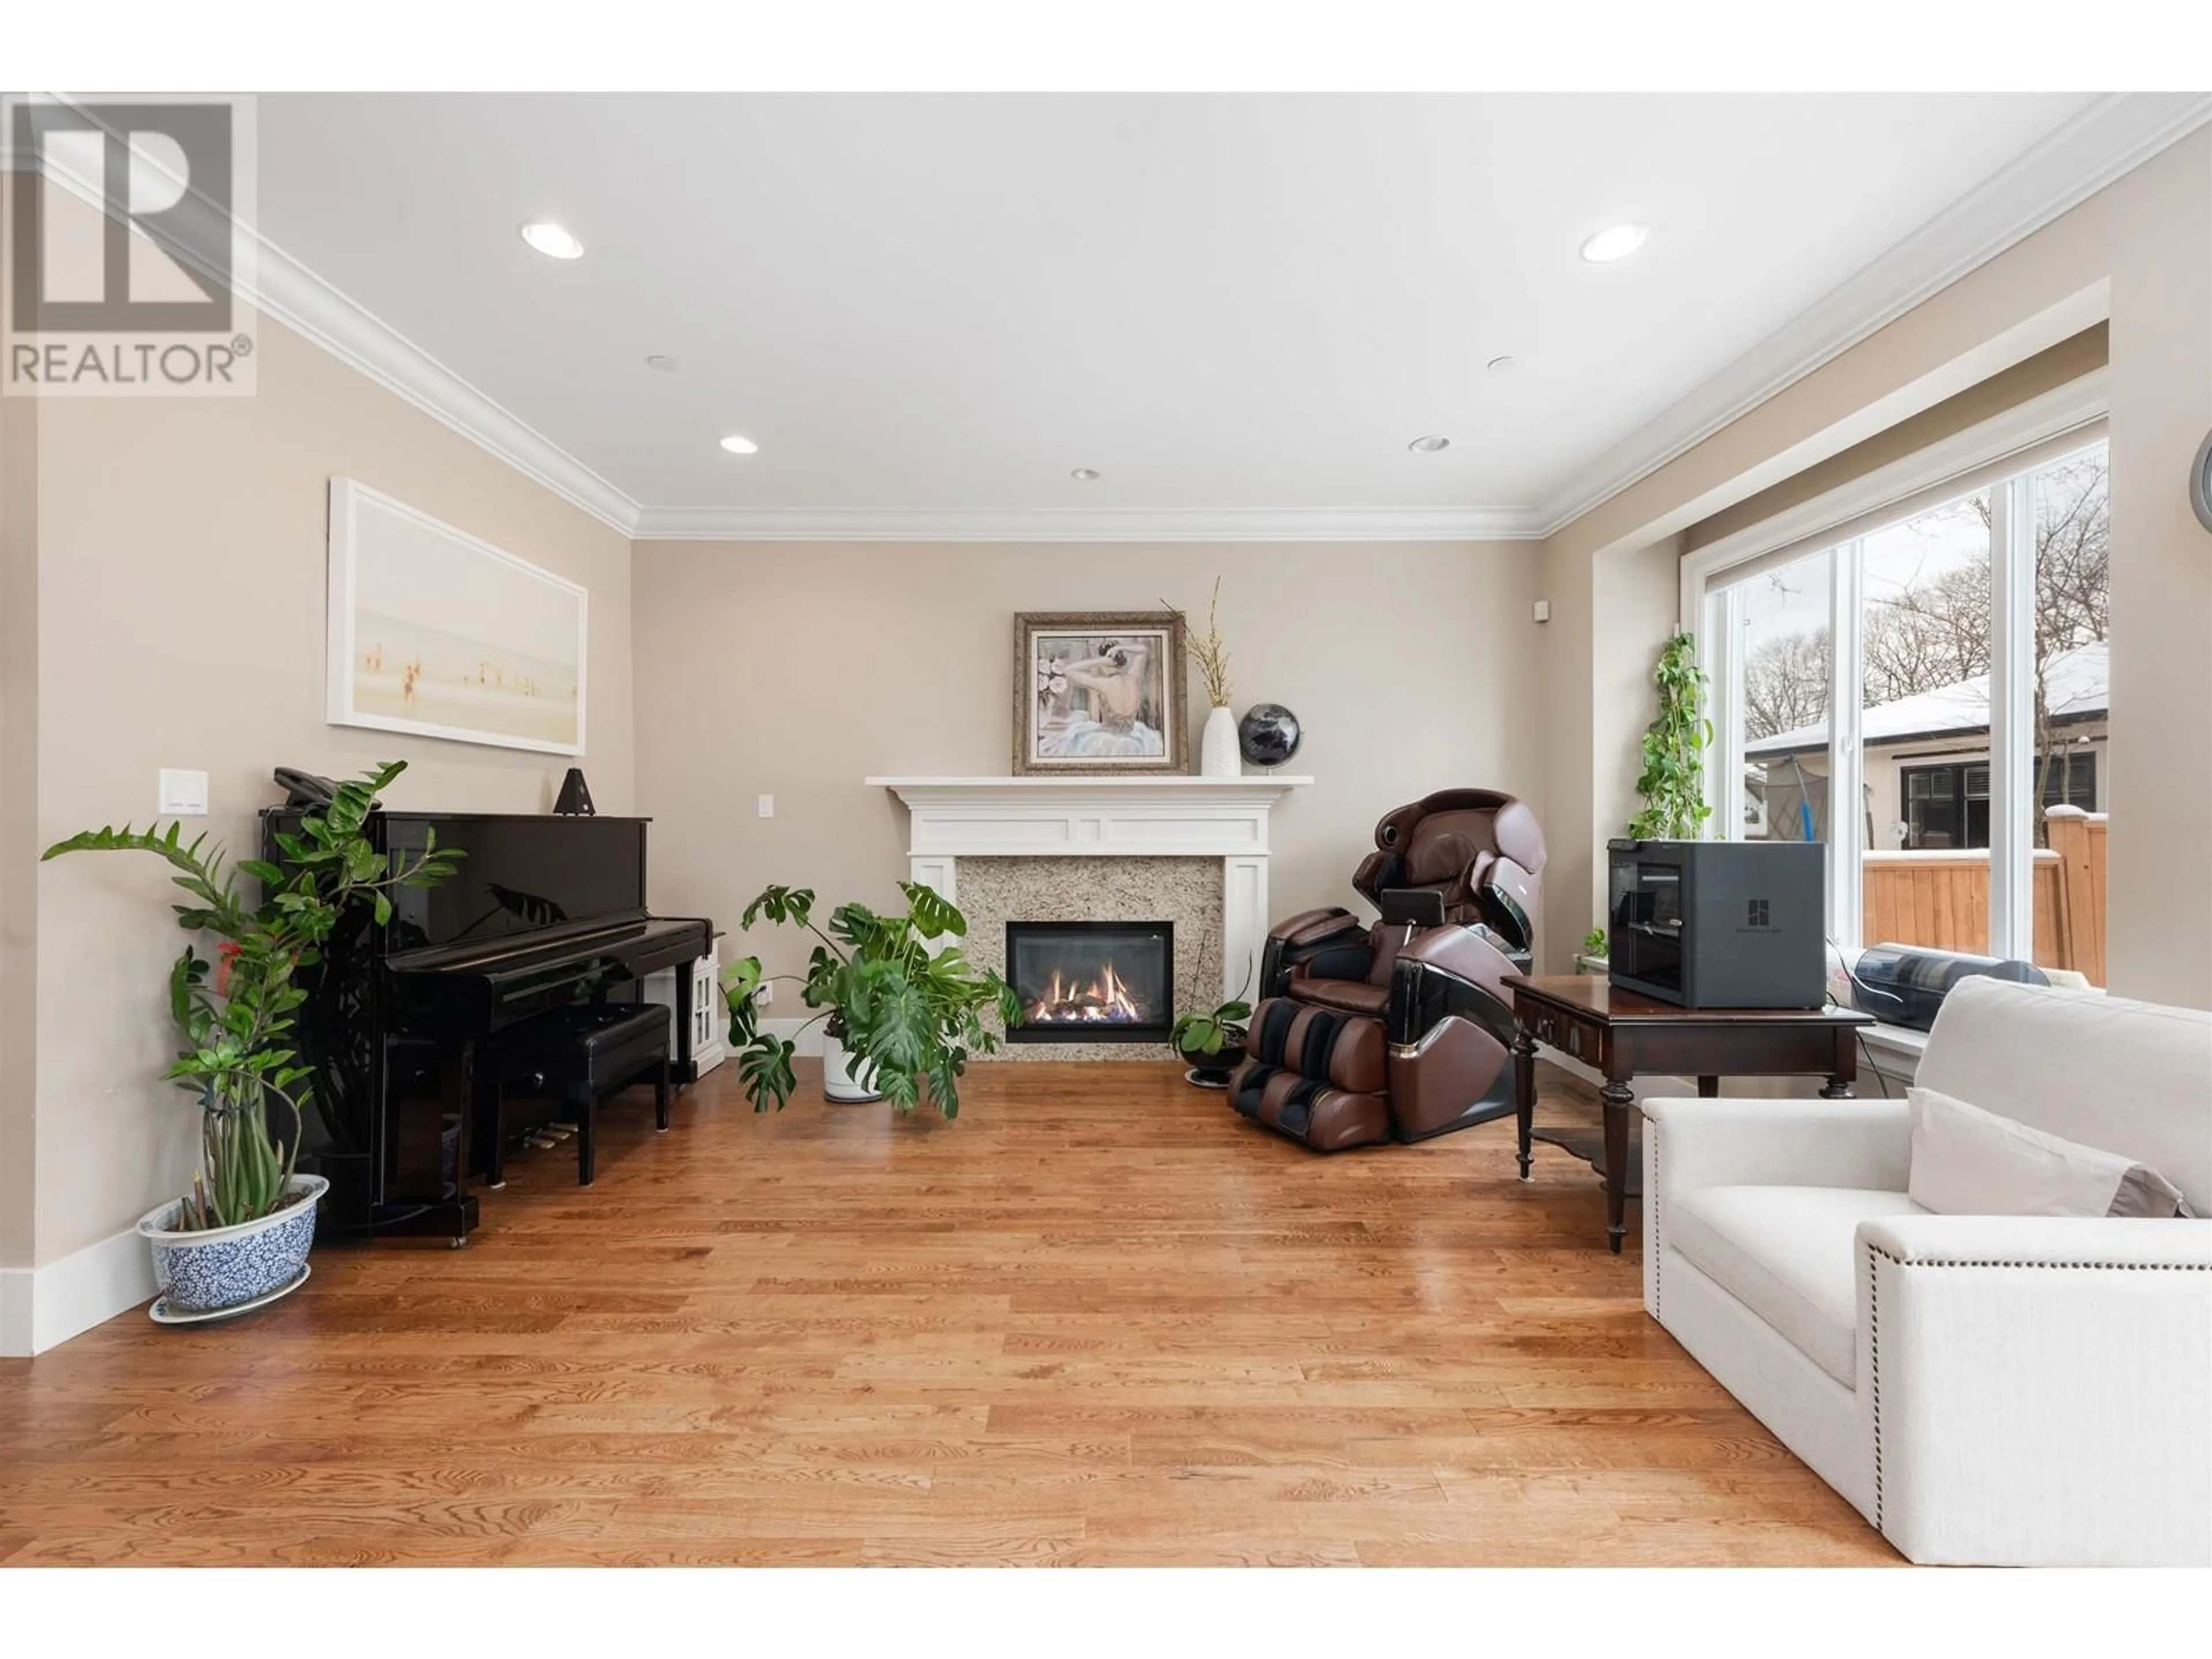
1099	1319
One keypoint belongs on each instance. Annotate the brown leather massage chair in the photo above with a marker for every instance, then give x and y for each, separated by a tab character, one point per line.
1403	1029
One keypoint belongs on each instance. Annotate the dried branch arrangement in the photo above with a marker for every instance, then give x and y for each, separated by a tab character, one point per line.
1208	650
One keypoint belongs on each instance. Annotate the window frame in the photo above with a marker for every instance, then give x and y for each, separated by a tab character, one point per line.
2001	455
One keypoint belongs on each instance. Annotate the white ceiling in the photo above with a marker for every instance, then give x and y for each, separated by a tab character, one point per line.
930	308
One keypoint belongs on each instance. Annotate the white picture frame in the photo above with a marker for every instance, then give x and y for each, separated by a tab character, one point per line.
437	633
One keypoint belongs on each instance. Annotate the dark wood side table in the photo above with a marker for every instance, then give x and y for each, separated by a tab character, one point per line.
1622	1034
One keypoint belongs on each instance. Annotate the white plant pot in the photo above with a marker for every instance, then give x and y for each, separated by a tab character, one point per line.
1217	748
844	1080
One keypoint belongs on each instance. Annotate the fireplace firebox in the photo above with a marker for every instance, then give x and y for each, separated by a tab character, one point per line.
1092	981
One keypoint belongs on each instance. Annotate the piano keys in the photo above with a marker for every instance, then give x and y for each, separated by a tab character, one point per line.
543	912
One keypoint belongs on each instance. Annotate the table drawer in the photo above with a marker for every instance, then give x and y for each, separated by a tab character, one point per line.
1569	1037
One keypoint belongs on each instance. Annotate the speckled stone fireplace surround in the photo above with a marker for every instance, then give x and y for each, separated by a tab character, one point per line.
1188	850
1185	892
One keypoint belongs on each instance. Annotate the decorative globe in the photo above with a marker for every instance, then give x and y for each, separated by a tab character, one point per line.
1268	734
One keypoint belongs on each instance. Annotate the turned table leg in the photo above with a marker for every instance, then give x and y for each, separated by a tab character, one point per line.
1524	1091
1840	1081
1619	1100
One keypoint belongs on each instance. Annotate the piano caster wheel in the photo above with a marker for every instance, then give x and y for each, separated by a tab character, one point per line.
661	1132
496	1187
455	1244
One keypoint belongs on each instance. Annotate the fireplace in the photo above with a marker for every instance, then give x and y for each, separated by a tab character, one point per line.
1091	982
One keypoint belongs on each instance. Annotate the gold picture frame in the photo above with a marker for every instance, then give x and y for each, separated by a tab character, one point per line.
1100	693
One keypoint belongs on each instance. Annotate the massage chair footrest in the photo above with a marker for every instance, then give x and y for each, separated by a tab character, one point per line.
1309	1109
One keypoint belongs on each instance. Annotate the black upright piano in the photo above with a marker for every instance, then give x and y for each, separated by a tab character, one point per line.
542	913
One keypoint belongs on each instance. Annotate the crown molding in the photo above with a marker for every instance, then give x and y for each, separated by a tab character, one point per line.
277	285
2113	136
286	289
730	524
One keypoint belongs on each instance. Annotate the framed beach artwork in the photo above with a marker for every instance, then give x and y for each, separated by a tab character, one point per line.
435	632
1099	692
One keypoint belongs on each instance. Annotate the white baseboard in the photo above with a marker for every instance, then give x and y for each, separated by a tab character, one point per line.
41	1307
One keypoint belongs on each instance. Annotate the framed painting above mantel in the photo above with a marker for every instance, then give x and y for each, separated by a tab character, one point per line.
435	632
1099	692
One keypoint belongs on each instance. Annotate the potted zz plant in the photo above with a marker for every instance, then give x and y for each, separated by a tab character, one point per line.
896	1017
239	1238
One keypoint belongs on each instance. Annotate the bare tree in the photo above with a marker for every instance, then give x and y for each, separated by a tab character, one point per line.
1785	683
1935	632
2072	603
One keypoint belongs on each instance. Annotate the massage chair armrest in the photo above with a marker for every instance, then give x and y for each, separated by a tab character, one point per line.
1450	972
1325	944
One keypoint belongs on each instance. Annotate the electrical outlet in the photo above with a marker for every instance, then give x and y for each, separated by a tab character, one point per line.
765	995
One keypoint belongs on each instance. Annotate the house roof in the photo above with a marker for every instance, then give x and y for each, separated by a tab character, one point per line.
2075	683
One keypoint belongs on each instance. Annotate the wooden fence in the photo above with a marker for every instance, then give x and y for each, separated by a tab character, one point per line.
1941	900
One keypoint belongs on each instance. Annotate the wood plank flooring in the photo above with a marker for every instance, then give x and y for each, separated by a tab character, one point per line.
1099	1319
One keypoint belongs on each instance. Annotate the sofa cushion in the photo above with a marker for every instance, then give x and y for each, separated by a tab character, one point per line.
2128	1077
1786	1254
1969	1162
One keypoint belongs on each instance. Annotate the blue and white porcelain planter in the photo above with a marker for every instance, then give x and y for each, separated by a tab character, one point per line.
226	1266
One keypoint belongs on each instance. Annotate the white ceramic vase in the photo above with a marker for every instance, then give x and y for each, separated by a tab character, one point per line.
843	1079
1217	748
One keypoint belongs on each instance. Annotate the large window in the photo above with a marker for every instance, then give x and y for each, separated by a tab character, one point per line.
1924	691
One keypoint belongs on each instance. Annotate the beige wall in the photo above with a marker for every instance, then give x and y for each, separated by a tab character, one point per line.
181	621
2068	361
19	750
2141	250
795	671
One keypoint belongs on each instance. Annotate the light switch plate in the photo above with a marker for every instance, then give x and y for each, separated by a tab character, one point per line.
1543	611
768	807
184	794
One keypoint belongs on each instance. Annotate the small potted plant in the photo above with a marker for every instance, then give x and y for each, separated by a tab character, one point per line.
897	1016
239	1238
1211	1041
1595	956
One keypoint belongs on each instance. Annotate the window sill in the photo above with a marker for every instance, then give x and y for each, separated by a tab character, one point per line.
1894	1050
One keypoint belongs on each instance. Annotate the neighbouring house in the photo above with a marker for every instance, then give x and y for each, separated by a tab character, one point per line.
1928	762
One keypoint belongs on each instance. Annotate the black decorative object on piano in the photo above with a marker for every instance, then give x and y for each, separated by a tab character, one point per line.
575	798
545	912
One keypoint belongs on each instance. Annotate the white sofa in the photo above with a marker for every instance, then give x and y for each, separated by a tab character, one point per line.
1997	1389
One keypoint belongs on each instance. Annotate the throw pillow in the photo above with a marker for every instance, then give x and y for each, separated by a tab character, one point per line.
1969	1162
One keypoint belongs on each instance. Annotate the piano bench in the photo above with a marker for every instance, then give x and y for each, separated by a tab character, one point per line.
579	1054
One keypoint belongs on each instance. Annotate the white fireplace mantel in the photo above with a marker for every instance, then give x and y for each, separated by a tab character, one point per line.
1179	816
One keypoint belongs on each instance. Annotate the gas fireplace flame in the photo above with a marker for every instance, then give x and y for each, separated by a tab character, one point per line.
1105	999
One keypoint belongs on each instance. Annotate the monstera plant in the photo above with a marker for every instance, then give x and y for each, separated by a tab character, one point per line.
907	1015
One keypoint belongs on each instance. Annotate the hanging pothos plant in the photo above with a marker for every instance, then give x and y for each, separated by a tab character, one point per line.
1674	781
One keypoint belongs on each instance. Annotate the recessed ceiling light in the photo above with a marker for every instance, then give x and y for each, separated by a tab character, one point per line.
1086	475
665	365
552	240
1617	243
739	445
1499	365
1429	445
